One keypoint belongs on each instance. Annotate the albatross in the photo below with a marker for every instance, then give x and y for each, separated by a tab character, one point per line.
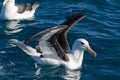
52	48
11	11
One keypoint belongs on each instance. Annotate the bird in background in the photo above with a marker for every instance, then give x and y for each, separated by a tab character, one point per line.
12	11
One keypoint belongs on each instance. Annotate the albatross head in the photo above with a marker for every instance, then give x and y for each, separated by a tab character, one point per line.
6	1
84	45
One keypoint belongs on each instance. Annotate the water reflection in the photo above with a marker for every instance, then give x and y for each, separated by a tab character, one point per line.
12	27
72	75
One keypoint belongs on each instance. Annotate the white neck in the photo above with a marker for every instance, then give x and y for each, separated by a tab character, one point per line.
77	54
7	9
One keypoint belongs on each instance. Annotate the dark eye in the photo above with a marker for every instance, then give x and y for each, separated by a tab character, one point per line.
81	42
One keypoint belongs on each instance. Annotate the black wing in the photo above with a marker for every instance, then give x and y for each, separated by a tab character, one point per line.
70	21
48	41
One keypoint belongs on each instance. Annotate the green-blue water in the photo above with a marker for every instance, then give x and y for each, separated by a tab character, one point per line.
101	27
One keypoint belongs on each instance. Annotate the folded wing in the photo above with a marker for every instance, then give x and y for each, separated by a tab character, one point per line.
26	7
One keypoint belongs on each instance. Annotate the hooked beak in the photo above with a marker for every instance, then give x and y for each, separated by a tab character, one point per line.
91	51
5	1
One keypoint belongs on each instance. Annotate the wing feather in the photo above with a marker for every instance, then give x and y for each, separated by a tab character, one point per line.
70	21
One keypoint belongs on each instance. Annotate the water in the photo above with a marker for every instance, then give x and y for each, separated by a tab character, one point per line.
100	27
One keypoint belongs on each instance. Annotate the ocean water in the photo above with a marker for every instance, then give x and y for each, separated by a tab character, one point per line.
101	27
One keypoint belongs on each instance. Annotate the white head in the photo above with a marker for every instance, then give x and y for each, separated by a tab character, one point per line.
6	1
83	45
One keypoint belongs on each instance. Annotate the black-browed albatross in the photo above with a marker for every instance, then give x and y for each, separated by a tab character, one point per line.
11	11
53	48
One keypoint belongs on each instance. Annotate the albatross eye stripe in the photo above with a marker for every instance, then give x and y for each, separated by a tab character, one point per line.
81	42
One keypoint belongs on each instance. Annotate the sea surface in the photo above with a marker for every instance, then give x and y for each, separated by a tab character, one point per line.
101	27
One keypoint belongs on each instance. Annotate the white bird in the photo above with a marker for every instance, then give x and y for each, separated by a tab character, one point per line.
53	48
12	11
